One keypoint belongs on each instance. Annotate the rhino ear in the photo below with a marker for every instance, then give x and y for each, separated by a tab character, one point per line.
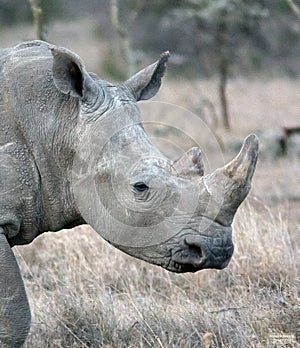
145	84
69	74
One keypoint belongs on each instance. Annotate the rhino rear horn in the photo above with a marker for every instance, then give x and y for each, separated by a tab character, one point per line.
145	84
190	164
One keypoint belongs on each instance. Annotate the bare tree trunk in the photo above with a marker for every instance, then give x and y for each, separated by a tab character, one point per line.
37	14
122	50
294	7
223	79
222	41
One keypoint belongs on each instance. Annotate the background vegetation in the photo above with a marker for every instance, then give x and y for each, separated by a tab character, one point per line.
234	64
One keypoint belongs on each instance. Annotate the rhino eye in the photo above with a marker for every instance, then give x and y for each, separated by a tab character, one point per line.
140	186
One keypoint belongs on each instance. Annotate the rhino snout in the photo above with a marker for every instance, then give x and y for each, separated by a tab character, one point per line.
196	252
188	256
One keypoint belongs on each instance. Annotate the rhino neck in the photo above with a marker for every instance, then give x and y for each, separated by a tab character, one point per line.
53	150
58	198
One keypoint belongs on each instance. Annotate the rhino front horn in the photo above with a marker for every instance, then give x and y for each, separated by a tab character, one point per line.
242	167
228	186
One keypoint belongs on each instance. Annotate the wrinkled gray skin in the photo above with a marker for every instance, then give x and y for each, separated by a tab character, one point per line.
47	101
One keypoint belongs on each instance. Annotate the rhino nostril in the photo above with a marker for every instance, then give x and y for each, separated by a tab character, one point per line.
195	253
189	255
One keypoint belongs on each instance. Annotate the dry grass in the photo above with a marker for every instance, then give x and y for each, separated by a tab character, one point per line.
84	293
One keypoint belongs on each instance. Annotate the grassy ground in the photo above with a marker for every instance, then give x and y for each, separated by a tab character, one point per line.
84	293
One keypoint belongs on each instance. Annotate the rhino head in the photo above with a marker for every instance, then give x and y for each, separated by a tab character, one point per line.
165	212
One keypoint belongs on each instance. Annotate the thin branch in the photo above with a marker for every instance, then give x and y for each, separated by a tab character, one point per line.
294	7
37	14
122	43
228	309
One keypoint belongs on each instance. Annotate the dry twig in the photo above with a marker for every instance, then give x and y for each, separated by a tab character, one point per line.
37	14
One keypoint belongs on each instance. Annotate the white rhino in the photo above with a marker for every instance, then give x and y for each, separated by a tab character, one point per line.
73	150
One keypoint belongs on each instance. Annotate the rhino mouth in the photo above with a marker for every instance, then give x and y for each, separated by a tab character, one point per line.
177	265
196	251
188	258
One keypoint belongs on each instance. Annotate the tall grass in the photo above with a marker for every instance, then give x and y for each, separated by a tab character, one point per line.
85	293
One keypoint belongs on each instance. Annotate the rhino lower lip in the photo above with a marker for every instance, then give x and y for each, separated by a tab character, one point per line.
182	268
